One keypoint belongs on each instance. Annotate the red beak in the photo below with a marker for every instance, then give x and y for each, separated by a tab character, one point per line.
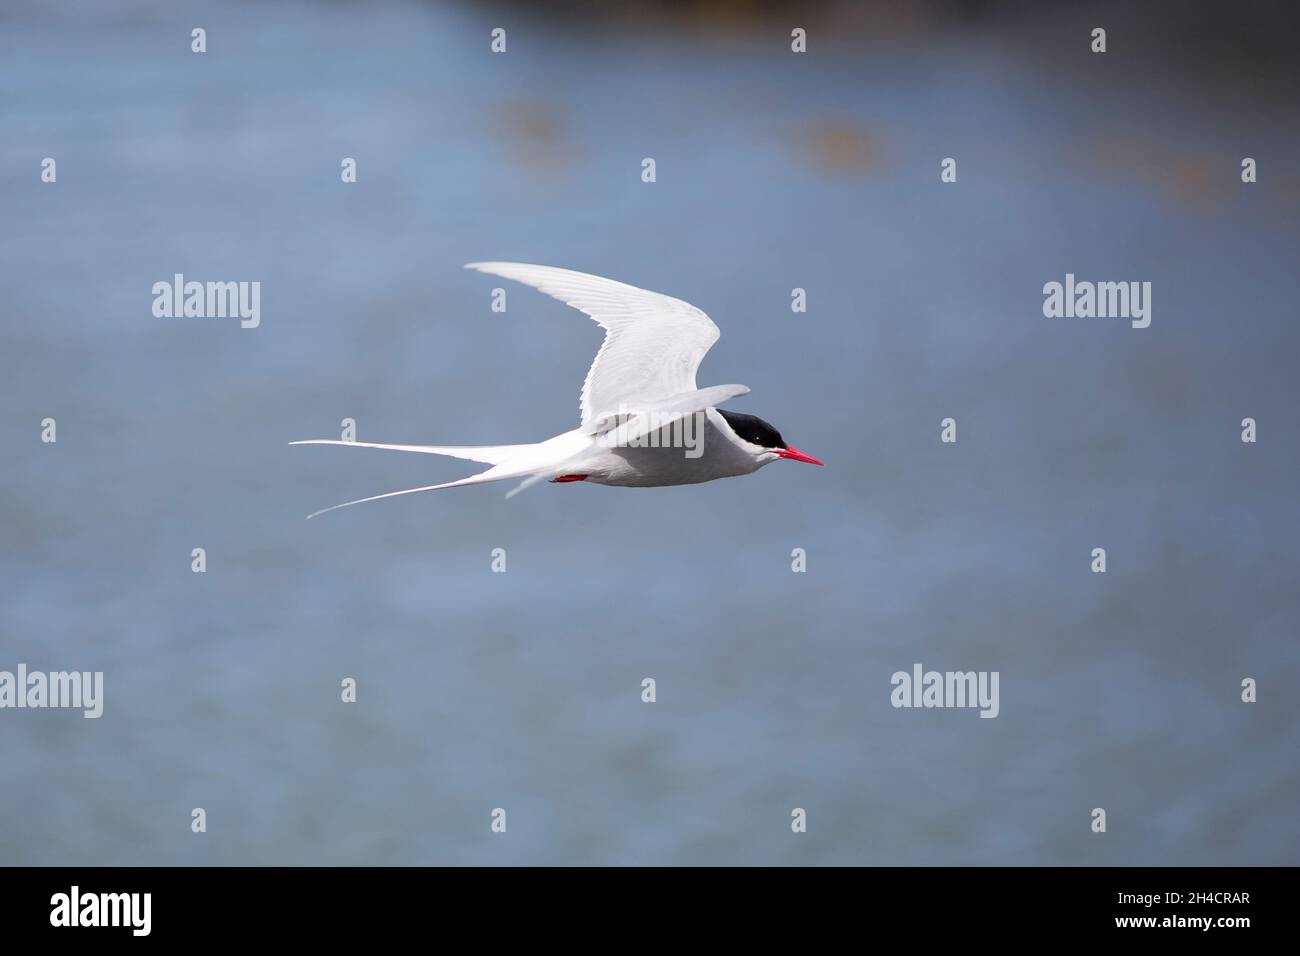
794	454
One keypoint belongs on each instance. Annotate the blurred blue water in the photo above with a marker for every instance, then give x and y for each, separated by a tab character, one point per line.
522	690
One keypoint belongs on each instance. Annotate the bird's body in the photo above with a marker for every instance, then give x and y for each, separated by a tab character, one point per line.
644	422
661	460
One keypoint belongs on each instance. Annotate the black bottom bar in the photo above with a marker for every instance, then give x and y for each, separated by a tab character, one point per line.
338	905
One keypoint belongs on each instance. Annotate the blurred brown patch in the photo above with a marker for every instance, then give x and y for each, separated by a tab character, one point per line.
535	131
842	145
1191	180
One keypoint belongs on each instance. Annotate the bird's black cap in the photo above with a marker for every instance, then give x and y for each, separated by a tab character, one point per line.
753	429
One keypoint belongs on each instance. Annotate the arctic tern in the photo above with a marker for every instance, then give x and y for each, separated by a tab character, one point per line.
637	395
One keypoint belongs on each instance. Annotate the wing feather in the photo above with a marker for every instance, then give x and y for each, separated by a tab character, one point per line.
653	343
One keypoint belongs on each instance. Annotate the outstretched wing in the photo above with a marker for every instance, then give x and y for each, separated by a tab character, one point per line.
653	343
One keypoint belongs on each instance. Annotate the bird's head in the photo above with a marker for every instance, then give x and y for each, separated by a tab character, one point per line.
765	442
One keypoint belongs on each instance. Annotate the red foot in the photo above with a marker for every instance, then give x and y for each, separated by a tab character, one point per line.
563	478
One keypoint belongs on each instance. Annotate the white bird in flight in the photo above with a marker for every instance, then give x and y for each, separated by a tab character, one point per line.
644	422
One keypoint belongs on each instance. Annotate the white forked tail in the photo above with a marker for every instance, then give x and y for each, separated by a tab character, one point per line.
471	480
507	461
488	454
